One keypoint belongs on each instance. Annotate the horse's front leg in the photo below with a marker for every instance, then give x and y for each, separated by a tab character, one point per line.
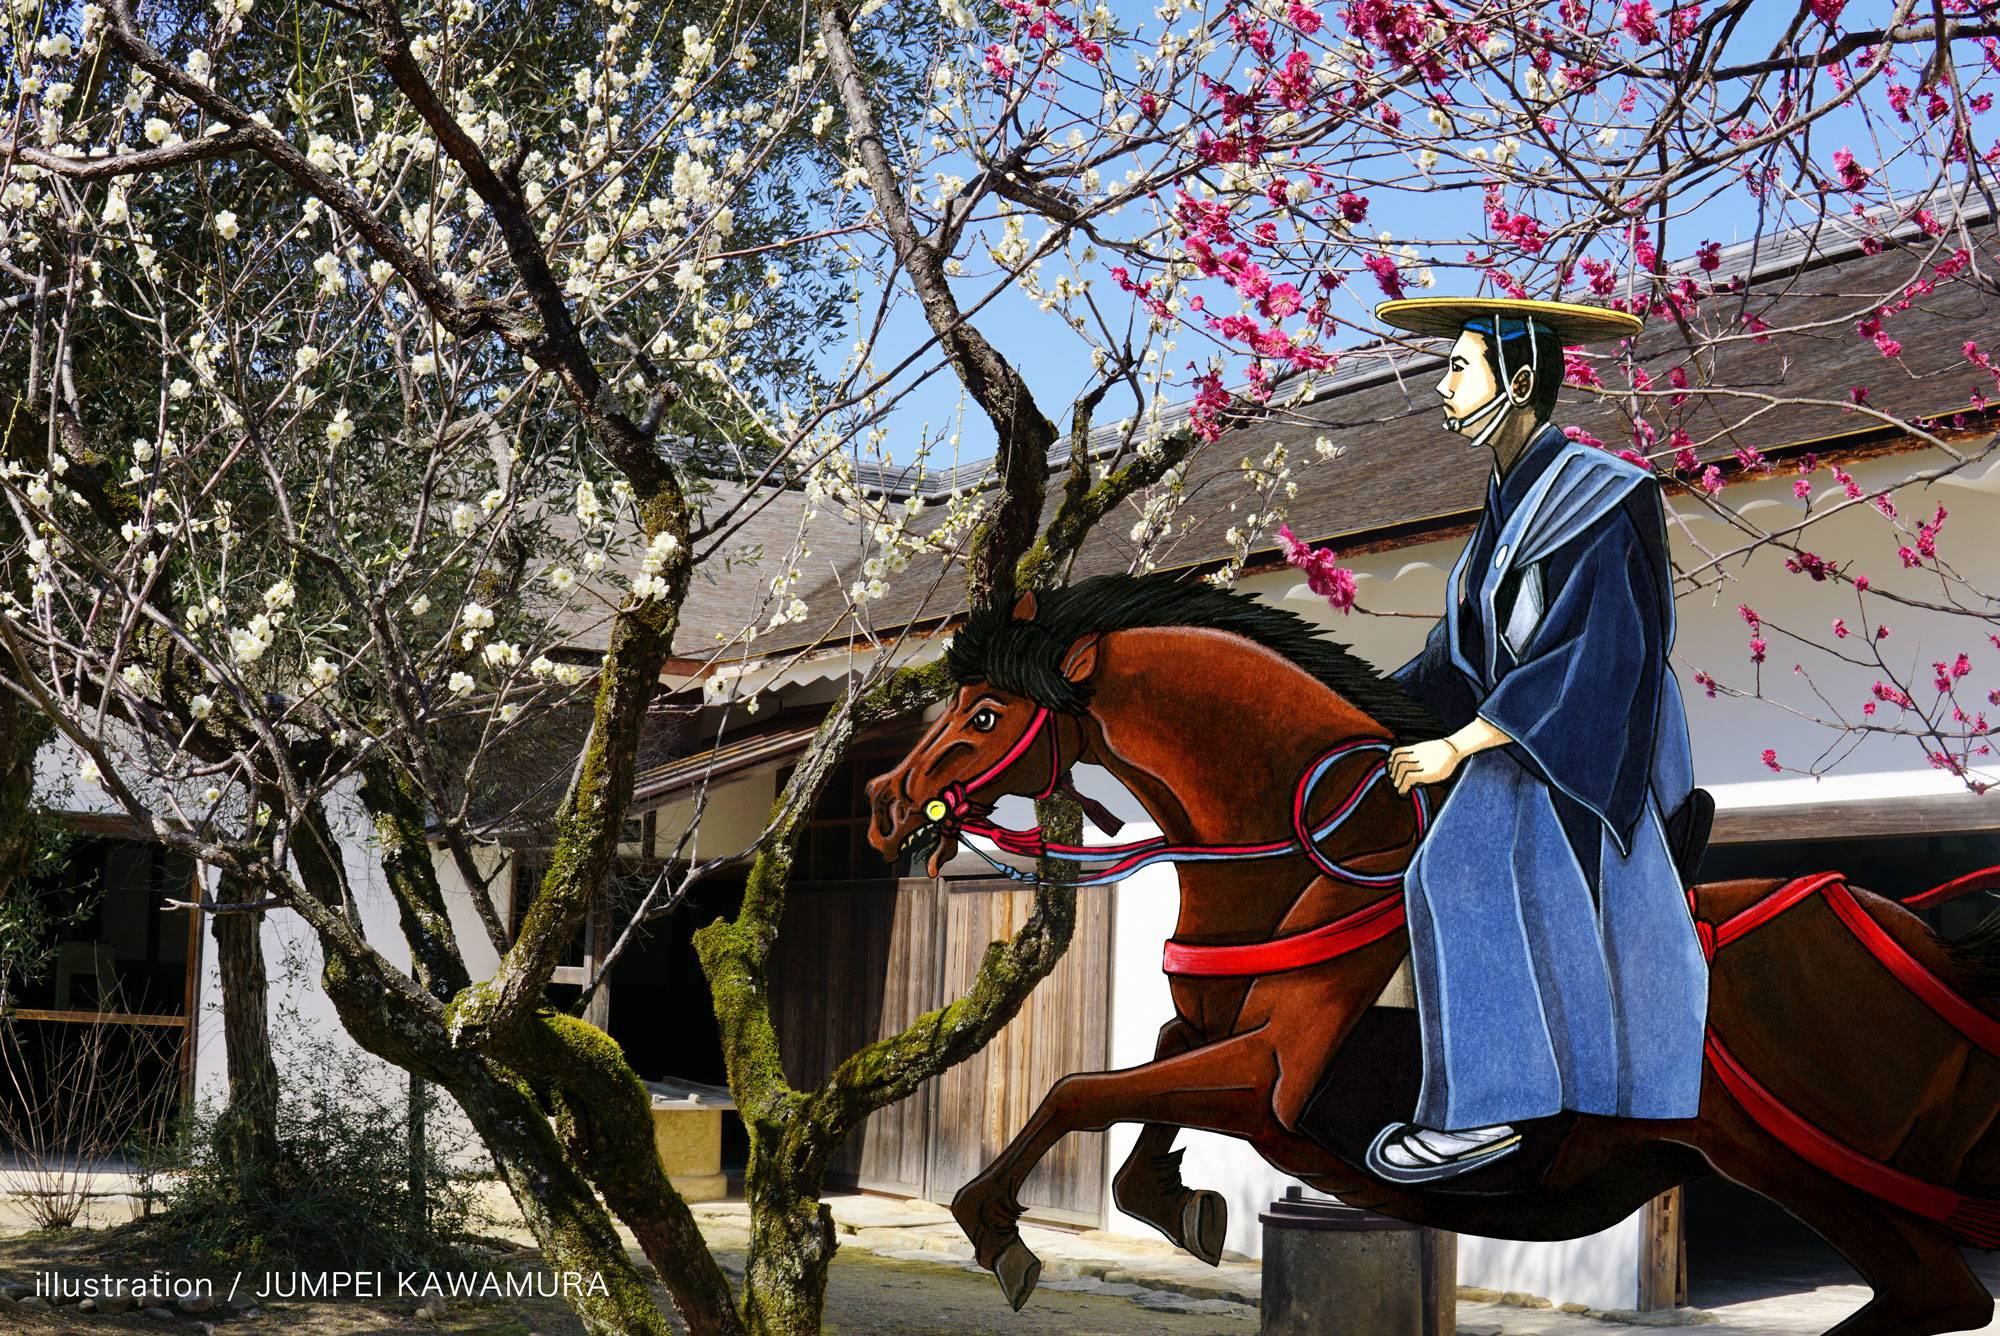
1221	1087
1148	1185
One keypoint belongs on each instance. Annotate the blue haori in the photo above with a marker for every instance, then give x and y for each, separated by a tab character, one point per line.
1555	961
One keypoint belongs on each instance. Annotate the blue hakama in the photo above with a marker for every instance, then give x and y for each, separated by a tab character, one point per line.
1555	960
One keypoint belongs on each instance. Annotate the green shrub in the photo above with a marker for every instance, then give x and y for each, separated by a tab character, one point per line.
341	1196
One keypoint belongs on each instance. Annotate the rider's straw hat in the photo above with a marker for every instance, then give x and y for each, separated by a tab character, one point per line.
1445	317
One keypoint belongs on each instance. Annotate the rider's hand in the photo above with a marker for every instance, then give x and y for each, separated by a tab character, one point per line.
1423	763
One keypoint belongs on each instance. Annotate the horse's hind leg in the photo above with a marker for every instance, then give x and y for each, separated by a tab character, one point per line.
1921	1282
1922	1285
1148	1185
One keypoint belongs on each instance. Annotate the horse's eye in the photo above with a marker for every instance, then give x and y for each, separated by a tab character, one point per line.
984	719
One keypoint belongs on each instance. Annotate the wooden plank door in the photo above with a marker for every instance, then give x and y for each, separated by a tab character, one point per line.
856	962
1063	1027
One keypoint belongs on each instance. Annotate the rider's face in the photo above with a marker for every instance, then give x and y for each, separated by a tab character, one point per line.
1468	383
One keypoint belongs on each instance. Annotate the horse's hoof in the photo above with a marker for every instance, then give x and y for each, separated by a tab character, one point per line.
1204	1224
1017	1270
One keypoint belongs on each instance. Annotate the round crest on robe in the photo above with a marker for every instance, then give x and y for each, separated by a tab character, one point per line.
1445	317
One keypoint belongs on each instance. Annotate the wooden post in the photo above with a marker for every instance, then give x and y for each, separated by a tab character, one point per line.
597	937
1663	1253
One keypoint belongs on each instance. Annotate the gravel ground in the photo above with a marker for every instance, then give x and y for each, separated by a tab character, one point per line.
868	1293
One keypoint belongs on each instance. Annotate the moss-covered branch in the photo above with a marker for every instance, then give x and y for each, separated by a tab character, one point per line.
555	1199
733	953
891	1069
592	817
398	815
605	1119
1084	505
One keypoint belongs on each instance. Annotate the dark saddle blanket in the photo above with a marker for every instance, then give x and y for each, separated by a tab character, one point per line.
1374	1079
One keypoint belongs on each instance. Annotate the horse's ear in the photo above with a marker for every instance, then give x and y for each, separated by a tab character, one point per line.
1024	607
1081	661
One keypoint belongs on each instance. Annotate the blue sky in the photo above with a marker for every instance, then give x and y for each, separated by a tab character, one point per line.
1054	360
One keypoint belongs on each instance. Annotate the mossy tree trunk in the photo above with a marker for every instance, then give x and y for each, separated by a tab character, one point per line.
795	1134
249	1123
563	1115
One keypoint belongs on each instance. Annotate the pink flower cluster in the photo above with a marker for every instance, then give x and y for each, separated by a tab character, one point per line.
1926	548
1949	673
1330	581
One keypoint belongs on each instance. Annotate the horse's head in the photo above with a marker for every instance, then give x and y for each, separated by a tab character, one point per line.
989	743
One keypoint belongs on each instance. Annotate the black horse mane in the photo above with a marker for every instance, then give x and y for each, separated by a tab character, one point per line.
1024	657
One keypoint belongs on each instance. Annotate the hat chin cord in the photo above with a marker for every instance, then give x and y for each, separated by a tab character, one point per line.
1503	397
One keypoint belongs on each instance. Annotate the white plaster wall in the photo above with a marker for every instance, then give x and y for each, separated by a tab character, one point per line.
302	1016
731	820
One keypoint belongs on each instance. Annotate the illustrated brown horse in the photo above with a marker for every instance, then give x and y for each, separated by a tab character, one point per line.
1853	1071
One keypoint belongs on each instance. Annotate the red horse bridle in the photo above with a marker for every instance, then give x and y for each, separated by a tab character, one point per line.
954	809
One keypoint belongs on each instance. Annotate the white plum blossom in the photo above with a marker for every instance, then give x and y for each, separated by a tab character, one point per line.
464	518
248	643
340	428
476	616
500	654
280	595
420	605
200	706
561	577
323	671
461	683
87	770
664	545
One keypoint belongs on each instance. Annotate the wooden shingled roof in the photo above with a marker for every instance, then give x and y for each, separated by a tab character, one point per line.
1401	478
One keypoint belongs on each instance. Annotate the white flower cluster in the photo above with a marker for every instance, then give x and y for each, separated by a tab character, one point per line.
501	654
247	644
649	583
546	669
589	511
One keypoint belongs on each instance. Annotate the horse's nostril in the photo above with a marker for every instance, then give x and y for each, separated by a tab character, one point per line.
885	805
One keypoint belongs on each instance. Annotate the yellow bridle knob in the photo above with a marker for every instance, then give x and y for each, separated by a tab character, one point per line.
935	809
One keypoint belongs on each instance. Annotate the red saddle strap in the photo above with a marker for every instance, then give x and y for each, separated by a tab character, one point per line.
1975	1219
1364	927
